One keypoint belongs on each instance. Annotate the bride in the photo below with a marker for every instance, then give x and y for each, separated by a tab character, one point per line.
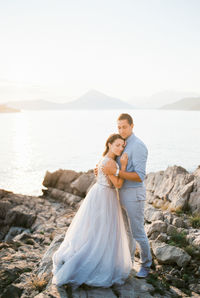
95	249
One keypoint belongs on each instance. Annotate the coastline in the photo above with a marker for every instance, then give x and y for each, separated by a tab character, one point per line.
32	228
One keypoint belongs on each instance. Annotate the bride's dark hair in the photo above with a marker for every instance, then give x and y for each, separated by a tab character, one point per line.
111	140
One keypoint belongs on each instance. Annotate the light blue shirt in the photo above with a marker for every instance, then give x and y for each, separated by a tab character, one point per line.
137	158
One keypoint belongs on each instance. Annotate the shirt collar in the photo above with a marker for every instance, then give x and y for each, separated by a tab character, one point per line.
130	137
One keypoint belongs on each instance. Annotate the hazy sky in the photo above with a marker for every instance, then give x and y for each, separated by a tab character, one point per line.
123	48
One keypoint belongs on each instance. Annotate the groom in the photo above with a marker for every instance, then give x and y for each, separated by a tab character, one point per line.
132	193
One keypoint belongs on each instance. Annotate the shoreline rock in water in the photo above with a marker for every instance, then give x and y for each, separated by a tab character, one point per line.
32	228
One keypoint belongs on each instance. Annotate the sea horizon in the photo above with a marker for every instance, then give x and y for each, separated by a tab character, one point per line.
34	142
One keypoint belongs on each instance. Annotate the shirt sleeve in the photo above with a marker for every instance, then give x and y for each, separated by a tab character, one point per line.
139	159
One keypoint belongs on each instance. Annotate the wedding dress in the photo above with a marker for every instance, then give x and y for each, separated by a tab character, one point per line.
95	249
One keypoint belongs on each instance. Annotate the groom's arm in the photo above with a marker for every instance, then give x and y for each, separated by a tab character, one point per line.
132	176
139	160
110	170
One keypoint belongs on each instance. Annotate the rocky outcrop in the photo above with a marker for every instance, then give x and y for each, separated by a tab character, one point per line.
32	228
174	189
26	250
69	181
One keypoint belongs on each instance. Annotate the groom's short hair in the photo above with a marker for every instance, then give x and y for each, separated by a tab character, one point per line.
126	117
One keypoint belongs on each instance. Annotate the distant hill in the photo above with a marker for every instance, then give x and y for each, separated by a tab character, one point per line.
159	99
96	100
6	109
187	103
89	101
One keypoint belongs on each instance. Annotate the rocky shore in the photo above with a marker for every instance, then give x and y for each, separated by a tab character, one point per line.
5	109
32	228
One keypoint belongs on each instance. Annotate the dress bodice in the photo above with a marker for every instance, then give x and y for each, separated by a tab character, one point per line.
102	178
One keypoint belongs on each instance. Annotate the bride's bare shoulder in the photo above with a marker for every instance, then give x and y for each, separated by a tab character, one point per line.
109	162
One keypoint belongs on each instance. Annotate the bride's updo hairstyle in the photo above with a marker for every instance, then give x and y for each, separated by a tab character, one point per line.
111	140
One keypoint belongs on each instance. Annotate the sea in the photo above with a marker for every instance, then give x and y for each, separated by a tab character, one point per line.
34	142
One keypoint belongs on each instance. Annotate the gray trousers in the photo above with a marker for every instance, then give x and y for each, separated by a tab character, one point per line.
132	202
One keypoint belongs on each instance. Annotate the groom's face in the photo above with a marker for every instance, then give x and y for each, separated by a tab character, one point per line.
124	128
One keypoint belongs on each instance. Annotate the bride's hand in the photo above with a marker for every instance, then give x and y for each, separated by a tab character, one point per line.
124	160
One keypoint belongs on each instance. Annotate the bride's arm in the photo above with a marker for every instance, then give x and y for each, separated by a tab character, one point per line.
116	181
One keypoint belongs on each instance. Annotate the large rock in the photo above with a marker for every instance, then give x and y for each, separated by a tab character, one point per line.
60	179
171	188
82	183
170	254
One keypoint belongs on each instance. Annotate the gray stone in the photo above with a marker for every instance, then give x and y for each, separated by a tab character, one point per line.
152	214
162	237
171	229
63	196
150	197
194	202
168	217
178	222
153	180
195	288
15	231
157	226
170	254
154	235
100	292
172	178
180	200
53	291
170	189
4	207
20	216
197	172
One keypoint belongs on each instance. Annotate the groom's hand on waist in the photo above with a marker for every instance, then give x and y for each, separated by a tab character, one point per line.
96	170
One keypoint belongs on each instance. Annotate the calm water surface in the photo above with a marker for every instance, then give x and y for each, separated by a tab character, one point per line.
34	142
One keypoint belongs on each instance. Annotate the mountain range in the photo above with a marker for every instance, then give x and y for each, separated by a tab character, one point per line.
95	100
184	104
89	101
159	99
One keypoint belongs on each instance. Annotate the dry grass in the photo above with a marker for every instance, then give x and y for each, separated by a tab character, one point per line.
195	221
178	210
165	206
154	204
37	283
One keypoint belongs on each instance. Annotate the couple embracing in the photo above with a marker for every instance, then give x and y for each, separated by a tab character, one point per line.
99	245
